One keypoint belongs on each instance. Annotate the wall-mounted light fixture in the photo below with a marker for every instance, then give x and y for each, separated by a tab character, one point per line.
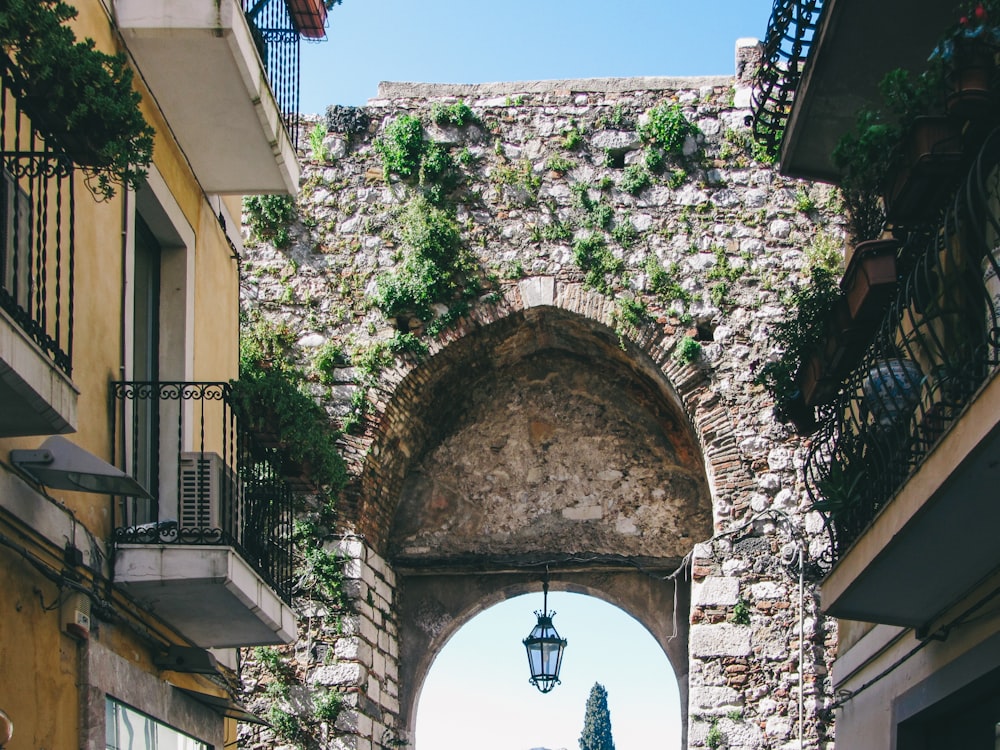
544	646
62	465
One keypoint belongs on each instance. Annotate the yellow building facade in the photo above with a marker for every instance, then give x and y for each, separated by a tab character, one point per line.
125	601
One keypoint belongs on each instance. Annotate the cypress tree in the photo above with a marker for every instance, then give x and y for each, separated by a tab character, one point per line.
597	721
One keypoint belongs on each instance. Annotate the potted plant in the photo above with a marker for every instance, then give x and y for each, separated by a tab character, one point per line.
79	99
801	337
967	56
906	153
841	487
864	155
870	279
891	389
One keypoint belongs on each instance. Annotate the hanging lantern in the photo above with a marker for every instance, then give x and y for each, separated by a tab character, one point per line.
544	646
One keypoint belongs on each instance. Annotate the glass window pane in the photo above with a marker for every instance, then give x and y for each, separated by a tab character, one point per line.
127	729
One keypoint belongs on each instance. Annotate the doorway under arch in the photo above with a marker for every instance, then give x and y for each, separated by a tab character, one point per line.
477	691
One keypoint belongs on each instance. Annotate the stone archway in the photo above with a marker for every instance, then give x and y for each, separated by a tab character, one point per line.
533	437
435	607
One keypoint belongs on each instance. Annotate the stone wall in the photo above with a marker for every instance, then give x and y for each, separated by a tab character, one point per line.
730	233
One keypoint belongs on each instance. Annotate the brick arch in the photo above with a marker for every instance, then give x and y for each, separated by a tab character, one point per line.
415	405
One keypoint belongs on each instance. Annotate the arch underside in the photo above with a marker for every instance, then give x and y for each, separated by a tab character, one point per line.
539	440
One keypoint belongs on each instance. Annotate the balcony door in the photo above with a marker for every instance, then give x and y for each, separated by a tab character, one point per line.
158	338
145	364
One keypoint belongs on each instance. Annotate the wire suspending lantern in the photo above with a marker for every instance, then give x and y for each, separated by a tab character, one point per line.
544	646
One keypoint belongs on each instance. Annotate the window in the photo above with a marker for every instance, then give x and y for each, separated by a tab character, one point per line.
968	719
15	241
127	729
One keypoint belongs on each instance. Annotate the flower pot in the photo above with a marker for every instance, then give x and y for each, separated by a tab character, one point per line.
932	156
309	17
816	382
970	79
795	410
891	390
870	279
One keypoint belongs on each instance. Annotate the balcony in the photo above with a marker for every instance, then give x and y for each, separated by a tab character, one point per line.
226	77
36	279
906	461
211	553
823	61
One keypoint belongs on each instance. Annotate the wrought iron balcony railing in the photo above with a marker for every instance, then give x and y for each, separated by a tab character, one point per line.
211	484
786	48
36	231
937	345
278	43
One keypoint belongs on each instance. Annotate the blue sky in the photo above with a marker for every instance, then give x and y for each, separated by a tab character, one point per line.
475	42
477	694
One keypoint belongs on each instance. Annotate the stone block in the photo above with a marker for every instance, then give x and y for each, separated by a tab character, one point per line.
716	590
352	548
350	674
384	591
721	639
353	649
714	699
368	631
768	590
538	291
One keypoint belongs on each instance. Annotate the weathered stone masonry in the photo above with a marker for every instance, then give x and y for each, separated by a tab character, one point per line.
462	444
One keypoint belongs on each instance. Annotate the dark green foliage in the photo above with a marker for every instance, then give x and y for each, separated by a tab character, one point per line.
406	343
371	360
635	179
630	315
401	146
653	159
665	284
457	114
600	216
438	174
268	217
435	269
78	97
741	613
597	721
274	663
520	176
321	576
327	705
581	195
624	232
559	164
688	350
592	255
269	398
572	139
714	738
328	358
286	725
677	178
554	231
799	333
668	128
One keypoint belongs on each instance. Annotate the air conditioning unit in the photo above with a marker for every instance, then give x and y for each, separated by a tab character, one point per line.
211	496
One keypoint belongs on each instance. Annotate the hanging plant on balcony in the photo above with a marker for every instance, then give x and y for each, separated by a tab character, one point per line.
801	334
897	161
967	54
79	99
